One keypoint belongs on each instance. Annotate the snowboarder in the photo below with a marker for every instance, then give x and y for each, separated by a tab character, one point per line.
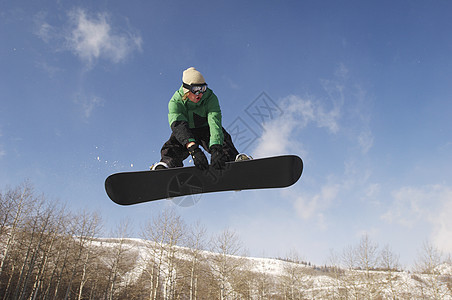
195	120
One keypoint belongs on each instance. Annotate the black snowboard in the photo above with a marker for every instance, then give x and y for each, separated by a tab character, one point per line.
136	187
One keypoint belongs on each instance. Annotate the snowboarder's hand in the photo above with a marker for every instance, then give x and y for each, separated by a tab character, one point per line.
217	158
199	158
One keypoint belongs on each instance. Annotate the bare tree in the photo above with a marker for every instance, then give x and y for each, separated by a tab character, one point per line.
359	261
334	262
63	250
367	254
37	232
389	263
117	263
225	263
196	242
46	253
165	233
429	262
293	276
51	232
86	226
17	204
262	284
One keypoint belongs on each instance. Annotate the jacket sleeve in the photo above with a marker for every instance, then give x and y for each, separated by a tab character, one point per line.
178	121
182	132
214	121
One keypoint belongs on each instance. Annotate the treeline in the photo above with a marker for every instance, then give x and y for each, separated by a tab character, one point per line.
45	251
48	252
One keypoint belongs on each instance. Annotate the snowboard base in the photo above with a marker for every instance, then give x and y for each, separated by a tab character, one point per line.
136	187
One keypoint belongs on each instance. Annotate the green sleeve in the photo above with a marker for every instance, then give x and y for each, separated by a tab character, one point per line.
176	109
214	121
178	120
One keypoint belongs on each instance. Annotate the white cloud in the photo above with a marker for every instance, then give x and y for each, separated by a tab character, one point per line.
308	207
343	115
49	69
365	140
2	151
43	29
90	37
298	113
406	207
430	205
93	38
46	32
342	71
442	233
371	193
88	104
345	109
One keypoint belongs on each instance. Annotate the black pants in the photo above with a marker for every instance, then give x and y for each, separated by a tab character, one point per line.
174	153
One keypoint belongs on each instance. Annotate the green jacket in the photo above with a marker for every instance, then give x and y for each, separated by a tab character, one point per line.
206	112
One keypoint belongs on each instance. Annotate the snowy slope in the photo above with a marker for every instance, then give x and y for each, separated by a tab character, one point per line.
303	281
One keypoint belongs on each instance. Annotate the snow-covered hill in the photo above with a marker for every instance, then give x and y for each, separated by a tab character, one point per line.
173	270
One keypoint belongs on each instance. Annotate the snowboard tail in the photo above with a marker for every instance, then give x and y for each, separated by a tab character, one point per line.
136	187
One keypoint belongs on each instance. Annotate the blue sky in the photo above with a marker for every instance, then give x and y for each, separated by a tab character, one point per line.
361	91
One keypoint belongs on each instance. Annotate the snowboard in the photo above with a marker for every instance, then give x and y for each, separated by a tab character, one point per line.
128	188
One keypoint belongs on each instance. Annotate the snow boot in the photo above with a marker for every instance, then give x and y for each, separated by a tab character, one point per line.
159	166
242	157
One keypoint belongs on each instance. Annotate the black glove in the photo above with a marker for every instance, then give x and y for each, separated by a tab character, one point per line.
217	157
199	158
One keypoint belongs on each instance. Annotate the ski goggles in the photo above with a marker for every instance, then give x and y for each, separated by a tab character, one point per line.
196	88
